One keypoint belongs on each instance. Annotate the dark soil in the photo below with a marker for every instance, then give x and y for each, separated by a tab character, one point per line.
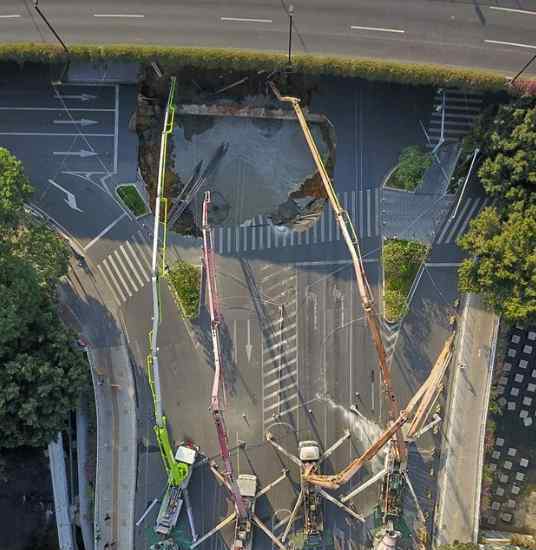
26	501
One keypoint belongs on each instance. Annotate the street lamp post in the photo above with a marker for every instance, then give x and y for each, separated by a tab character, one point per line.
58	38
523	69
290	15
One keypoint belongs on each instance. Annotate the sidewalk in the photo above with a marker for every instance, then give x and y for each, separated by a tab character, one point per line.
457	514
116	447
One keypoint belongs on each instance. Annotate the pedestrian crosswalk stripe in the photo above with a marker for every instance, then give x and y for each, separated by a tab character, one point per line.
125	270
141	251
118	273
281	402
470	216
282	343
279	356
115	273
280	379
281	367
460	220
437	122
277	392
449	223
137	260
134	270
112	286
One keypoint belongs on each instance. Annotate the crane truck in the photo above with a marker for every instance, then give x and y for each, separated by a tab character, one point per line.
392	487
178	465
243	489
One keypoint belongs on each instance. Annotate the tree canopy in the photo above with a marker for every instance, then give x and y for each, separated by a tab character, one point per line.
503	263
501	241
508	172
41	375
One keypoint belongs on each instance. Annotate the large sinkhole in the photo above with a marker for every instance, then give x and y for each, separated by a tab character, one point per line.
253	166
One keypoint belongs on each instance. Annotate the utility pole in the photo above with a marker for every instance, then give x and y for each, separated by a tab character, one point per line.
523	69
58	37
290	15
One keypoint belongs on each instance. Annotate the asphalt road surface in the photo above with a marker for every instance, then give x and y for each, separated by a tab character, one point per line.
498	34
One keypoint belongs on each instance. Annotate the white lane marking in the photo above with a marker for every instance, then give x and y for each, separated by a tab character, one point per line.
245	20
127	258
128	15
501	43
49	134
228	240
135	256
116	128
105	230
89	109
116	298
369	214
378	29
12	16
283	330
113	278
512	10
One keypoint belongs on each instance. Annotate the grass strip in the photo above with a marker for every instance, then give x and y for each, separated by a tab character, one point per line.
250	60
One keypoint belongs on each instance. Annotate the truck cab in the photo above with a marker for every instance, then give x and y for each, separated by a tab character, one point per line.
243	539
309	454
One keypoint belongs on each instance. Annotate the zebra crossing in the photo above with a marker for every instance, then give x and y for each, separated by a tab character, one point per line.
280	395
390	332
127	269
259	233
461	109
456	227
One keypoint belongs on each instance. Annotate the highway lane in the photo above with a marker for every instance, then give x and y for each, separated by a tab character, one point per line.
496	35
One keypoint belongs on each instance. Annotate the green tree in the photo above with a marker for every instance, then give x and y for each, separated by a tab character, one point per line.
502	266
185	280
508	171
41	375
14	189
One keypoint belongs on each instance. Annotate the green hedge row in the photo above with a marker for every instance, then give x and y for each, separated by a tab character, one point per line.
244	60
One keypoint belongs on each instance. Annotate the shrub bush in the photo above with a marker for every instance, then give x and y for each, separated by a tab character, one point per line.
401	262
185	280
244	60
412	164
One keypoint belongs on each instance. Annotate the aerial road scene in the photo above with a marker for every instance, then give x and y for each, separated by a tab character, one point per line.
268	275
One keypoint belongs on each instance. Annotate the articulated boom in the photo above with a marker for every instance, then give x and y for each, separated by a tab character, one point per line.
217	384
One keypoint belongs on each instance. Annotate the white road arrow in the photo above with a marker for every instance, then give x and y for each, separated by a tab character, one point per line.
82	122
249	347
70	200
81	97
82	153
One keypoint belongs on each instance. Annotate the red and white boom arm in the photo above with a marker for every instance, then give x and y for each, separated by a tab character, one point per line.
217	384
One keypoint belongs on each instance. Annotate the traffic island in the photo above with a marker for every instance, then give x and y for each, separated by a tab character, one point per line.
185	282
401	262
409	172
132	199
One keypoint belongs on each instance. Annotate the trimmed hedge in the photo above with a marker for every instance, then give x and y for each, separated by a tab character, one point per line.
249	60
